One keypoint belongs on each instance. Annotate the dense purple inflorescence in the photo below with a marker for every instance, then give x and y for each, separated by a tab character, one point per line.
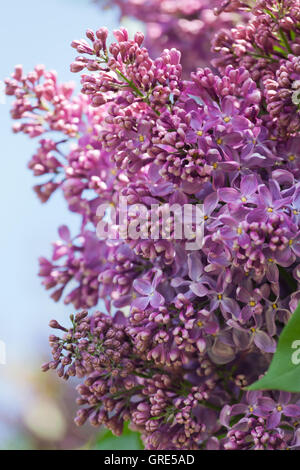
188	25
226	139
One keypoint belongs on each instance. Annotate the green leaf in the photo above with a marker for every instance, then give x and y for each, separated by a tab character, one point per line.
279	49
284	371
129	440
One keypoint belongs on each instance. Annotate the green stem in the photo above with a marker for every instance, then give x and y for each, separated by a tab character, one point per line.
285	41
130	83
260	56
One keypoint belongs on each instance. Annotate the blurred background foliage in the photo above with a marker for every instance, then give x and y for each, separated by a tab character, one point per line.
44	418
129	440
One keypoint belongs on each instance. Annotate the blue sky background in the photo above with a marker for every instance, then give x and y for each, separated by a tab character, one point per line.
32	32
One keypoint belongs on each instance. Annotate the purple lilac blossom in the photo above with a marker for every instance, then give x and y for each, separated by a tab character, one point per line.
174	317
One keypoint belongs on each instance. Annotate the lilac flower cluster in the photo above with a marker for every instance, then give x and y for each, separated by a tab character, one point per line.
268	46
175	316
80	264
188	25
174	403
